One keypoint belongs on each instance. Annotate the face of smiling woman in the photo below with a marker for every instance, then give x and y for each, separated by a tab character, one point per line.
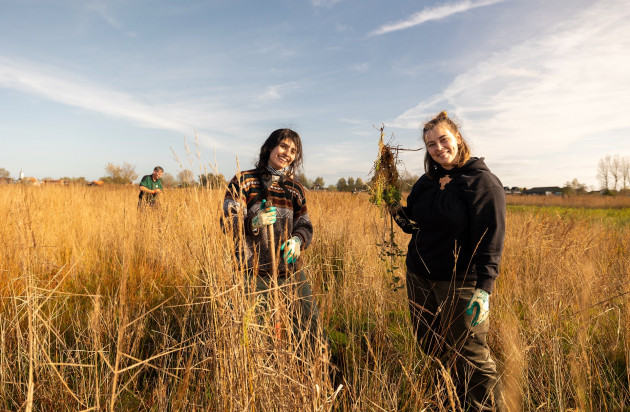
442	146
282	155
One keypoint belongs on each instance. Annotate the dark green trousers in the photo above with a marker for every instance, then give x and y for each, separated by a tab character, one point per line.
442	327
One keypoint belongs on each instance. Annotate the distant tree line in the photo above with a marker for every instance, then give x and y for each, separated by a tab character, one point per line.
406	181
613	174
350	184
316	184
125	173
186	178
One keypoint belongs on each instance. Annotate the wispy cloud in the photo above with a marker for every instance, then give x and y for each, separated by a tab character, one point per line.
324	3
272	93
361	67
66	88
102	10
548	96
432	13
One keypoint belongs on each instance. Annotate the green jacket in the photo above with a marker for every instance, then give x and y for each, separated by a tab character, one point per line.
147	181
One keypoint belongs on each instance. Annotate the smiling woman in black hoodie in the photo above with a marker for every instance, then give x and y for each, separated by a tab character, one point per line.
455	214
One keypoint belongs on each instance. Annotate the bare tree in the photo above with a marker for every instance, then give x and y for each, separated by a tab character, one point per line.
615	170
168	180
120	174
186	178
4	172
625	172
603	172
574	187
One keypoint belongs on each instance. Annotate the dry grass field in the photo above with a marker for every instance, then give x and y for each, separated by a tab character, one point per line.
102	308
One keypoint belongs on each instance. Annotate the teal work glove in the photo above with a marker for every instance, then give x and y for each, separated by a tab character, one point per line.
480	301
264	217
291	249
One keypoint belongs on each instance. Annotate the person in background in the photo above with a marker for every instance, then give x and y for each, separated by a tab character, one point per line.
455	214
247	211
150	188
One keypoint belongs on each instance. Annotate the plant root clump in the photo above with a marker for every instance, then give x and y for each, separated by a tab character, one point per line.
384	187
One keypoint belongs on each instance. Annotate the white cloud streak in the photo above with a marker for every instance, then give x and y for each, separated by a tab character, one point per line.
102	10
432	14
548	96
183	117
324	3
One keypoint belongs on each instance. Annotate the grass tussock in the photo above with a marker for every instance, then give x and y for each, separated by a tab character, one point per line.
103	308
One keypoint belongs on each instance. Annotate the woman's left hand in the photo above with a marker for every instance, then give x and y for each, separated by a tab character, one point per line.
291	249
481	301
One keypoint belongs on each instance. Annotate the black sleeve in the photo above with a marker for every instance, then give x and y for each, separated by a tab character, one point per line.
487	216
402	217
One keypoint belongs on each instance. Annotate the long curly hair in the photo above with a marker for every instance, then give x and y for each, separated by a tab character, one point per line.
274	140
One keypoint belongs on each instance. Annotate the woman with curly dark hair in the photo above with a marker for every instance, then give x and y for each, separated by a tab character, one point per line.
267	207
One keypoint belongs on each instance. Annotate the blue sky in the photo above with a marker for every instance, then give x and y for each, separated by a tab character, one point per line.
541	87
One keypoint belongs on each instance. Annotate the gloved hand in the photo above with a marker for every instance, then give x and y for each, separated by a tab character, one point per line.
393	209
480	301
291	249
264	217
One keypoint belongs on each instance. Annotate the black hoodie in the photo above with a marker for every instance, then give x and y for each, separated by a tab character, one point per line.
456	217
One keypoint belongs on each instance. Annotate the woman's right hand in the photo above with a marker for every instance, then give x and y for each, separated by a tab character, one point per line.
264	217
394	209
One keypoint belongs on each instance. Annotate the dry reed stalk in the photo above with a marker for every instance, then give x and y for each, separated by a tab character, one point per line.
122	324
95	329
274	270
31	344
29	240
179	402
543	273
512	379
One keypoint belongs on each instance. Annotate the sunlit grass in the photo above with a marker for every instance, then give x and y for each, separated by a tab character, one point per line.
107	309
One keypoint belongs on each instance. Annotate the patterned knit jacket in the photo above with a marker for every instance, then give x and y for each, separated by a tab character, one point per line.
243	198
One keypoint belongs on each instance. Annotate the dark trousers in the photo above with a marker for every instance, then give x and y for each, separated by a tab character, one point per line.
442	327
296	295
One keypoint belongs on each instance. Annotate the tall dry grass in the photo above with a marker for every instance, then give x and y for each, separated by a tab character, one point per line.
103	308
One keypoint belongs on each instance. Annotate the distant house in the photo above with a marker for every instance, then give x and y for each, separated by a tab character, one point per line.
54	182
96	183
512	191
547	191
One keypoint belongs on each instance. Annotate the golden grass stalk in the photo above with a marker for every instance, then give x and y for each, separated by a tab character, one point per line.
194	339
